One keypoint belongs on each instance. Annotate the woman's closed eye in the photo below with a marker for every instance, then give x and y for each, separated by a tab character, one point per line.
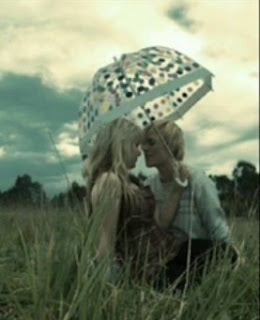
150	142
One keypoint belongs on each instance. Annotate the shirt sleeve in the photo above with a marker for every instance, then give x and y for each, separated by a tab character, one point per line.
210	210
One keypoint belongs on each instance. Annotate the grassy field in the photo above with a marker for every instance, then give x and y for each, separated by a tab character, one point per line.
46	273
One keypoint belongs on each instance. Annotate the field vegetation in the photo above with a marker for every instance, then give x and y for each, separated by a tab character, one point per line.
47	273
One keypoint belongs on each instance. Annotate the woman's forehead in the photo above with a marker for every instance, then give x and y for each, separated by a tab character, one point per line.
150	134
136	135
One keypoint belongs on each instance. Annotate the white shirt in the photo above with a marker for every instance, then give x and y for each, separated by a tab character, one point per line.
199	205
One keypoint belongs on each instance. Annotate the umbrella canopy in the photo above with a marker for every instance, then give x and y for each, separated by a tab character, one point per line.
151	84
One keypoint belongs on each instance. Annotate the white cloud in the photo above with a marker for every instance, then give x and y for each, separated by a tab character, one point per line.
55	184
68	42
68	141
65	42
73	126
2	152
68	144
52	158
230	51
215	136
12	136
60	183
229	28
223	161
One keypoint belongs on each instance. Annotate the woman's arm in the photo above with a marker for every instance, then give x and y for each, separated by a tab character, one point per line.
210	210
213	216
106	198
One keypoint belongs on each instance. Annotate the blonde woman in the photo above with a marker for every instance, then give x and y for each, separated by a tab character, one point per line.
131	231
199	213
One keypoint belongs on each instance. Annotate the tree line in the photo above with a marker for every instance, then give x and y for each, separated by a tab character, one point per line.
239	195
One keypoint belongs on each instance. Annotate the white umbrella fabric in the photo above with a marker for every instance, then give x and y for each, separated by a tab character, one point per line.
153	83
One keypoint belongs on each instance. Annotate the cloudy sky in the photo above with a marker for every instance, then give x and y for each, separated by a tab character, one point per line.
50	49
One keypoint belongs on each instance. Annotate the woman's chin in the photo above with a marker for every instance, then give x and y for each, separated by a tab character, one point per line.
131	166
148	162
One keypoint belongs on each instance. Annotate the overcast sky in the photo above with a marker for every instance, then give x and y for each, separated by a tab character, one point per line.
50	49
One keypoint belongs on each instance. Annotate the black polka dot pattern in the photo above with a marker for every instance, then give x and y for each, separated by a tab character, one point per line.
136	75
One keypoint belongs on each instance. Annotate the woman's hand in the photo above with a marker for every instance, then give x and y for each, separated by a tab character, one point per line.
181	173
184	172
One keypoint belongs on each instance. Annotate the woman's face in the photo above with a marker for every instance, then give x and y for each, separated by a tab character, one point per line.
132	152
156	154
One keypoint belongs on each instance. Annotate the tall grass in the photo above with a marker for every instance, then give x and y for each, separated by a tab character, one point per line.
47	272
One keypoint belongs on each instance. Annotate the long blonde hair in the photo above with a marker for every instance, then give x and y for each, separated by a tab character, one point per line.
109	152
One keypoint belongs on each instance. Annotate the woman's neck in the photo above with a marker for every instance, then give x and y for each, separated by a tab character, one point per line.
166	173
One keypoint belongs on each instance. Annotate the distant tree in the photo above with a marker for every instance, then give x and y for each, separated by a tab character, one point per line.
225	188
224	185
25	192
76	193
59	200
73	197
246	182
246	178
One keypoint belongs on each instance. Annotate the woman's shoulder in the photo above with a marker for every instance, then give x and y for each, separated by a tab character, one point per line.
108	176
107	181
199	178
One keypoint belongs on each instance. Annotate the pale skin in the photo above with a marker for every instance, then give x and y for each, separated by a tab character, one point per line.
156	155
107	181
169	168
110	181
166	215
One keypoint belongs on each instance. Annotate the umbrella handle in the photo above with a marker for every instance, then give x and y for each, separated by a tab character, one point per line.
147	115
178	181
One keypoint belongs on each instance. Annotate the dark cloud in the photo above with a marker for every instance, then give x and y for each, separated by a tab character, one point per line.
245	136
179	13
195	151
50	175
250	134
27	98
27	109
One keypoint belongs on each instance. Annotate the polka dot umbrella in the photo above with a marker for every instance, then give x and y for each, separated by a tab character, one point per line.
151	84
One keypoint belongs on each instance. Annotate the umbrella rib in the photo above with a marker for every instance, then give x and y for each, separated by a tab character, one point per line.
140	100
